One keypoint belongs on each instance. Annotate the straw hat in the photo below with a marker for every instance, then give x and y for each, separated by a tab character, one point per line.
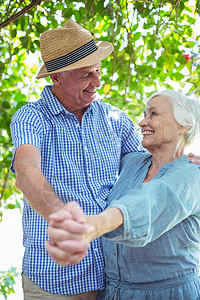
70	47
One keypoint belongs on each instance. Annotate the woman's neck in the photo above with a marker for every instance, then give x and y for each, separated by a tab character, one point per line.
159	158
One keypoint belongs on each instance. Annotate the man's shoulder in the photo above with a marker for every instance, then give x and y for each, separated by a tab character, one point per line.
110	110
30	111
37	107
106	106
30	106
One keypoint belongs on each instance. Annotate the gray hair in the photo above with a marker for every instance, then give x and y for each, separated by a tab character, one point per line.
65	73
186	112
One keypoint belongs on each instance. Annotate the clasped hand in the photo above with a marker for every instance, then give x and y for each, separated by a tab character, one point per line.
70	235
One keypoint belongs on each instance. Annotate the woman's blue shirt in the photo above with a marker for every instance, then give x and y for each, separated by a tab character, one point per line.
157	248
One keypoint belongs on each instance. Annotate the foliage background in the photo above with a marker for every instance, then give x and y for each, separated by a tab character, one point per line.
156	46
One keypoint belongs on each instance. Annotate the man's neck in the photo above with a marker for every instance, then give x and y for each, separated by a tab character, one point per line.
68	105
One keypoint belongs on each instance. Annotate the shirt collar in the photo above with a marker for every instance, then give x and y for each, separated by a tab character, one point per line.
51	101
54	104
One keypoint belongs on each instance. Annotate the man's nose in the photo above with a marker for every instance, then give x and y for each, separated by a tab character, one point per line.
96	80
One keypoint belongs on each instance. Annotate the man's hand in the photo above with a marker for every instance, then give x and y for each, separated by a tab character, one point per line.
71	231
194	158
68	231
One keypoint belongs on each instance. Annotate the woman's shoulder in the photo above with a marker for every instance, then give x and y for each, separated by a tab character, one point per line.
181	171
184	163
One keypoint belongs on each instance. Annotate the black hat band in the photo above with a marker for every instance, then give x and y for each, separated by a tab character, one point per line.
71	57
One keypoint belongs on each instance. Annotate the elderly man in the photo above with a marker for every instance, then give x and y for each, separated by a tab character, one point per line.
67	147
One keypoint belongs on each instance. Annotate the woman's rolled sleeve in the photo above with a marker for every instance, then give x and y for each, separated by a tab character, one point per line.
156	207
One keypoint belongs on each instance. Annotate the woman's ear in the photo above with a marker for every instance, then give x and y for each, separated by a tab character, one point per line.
183	129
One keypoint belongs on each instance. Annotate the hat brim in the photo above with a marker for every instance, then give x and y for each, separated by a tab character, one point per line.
104	49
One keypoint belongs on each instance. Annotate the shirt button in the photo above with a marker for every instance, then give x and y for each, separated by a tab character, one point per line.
115	254
90	175
96	249
77	125
85	148
127	234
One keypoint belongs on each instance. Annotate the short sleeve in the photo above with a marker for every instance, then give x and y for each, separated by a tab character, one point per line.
26	128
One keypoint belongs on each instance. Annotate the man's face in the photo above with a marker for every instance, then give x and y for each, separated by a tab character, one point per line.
78	88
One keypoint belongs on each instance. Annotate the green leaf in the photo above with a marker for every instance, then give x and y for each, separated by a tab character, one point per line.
136	36
191	44
134	27
177	76
39	27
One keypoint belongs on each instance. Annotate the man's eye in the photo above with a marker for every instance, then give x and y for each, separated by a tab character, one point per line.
153	113
85	75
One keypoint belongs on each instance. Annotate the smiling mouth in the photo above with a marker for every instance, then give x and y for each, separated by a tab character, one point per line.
147	132
92	91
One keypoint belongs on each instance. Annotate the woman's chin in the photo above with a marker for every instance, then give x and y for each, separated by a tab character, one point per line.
147	146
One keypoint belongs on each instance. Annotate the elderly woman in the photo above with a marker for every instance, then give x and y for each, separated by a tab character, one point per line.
151	227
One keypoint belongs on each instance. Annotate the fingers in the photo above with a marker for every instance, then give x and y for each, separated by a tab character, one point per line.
191	154
60	216
67	232
70	226
76	212
65	247
73	247
71	210
194	159
68	255
59	233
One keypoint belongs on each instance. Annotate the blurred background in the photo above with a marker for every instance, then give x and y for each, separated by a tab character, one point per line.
156	46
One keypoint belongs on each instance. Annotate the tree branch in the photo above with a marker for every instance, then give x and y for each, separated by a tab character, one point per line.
20	13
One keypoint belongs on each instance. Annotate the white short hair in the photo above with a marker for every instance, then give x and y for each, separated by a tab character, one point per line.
65	73
186	112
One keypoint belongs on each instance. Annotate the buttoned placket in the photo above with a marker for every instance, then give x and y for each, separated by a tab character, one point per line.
84	137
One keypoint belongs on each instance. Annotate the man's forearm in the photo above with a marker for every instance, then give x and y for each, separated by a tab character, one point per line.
37	190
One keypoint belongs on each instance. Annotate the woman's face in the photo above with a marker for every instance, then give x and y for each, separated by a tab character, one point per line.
159	128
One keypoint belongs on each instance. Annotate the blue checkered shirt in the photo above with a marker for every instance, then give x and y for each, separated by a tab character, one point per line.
81	162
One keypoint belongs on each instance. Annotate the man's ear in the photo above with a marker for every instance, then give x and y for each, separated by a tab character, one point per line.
55	78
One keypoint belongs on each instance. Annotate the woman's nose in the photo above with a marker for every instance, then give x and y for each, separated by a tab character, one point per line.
143	122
